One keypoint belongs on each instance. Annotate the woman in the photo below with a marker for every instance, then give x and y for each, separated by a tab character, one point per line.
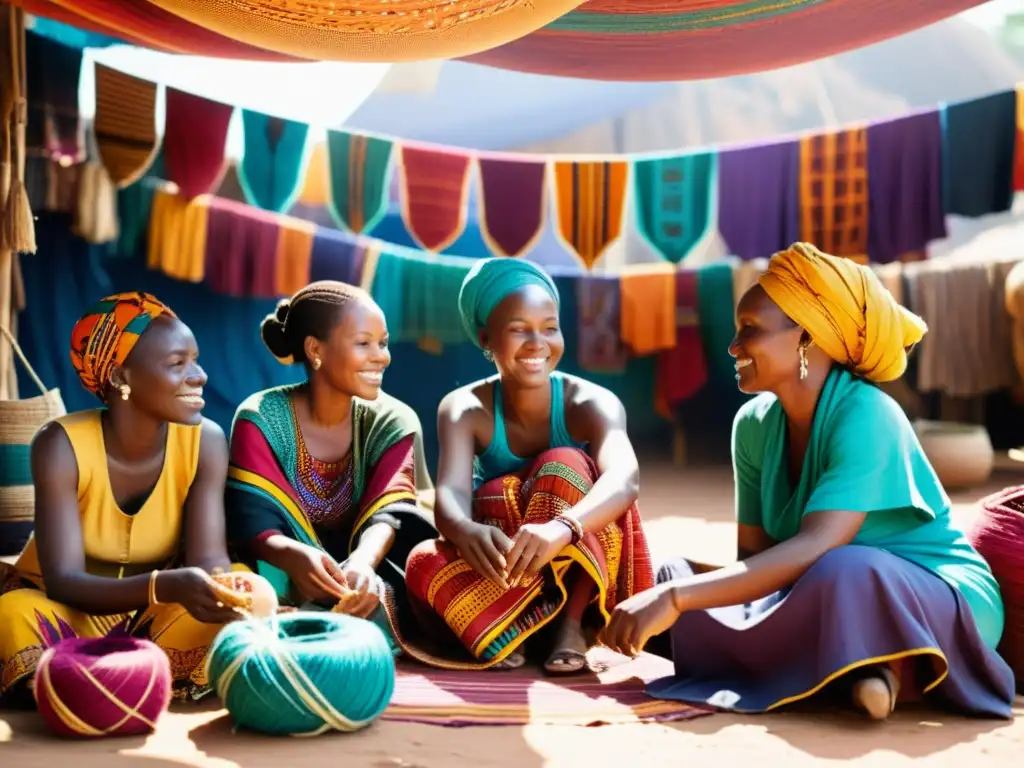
537	489
324	475
850	567
118	490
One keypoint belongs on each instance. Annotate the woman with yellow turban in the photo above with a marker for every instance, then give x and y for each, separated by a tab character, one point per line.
851	575
536	494
129	505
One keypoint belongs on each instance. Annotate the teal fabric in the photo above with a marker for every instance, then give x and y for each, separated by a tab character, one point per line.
388	291
15	466
134	204
863	456
271	167
430	286
674	201
498	459
489	282
360	169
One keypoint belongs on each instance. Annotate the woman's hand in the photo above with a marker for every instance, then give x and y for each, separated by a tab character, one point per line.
314	572
363	598
484	547
535	546
638	619
205	599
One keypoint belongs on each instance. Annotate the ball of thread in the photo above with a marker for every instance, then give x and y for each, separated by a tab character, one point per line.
259	597
109	686
302	673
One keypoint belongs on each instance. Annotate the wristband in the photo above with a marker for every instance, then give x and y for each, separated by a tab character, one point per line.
152	588
574	526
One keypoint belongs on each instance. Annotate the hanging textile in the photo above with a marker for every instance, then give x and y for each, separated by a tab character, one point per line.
978	159
598	305
682	370
335	256
648	313
386	276
177	235
905	185
294	252
272	164
758	198
1018	151
513	204
435	195
430	300
674	201
195	136
591	204
359	168
134	207
54	125
95	215
241	246
125	124
834	192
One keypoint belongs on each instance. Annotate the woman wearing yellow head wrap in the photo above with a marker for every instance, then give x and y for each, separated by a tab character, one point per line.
851	569
535	465
119	489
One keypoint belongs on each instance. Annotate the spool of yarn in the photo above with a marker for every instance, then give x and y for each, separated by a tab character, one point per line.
259	599
997	533
108	686
302	673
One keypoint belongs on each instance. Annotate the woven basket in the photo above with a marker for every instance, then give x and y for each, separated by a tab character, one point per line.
19	422
998	535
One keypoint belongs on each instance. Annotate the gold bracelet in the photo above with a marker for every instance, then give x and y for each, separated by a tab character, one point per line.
152	588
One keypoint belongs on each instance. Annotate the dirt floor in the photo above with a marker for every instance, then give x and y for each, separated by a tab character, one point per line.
686	512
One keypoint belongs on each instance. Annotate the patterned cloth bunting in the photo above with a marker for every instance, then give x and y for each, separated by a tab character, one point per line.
598	308
359	168
513	204
648	313
125	124
435	195
674	201
682	370
241	246
195	137
834	192
591	205
294	252
271	168
336	256
177	235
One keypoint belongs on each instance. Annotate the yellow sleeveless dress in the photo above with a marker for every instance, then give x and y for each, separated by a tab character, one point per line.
116	545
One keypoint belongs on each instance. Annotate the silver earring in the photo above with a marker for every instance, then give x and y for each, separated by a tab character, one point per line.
125	391
803	362
488	356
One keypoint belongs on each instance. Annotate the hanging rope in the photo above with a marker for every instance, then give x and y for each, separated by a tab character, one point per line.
19	231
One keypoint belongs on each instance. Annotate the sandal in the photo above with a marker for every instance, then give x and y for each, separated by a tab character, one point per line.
876	694
514	660
566	661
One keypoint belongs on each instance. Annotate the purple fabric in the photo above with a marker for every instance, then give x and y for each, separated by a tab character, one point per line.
241	250
856	604
512	193
758	198
904	185
336	256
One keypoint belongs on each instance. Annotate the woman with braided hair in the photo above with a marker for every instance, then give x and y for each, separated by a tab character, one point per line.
323	479
851	574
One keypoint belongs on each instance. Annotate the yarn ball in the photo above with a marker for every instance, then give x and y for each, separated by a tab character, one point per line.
258	596
302	673
997	534
108	686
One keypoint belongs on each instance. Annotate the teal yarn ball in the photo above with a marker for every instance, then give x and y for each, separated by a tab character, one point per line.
302	673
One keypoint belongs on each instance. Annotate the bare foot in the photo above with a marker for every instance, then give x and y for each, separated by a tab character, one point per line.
876	694
514	660
570	654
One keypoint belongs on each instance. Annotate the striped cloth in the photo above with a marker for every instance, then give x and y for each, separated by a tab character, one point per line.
125	124
591	199
359	168
435	195
834	192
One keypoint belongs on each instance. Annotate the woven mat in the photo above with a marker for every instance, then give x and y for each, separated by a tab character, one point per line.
612	694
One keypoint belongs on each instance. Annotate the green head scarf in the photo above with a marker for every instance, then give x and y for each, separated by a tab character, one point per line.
490	282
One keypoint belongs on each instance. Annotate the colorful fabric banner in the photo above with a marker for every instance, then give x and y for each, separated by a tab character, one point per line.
591	203
834	207
674	201
978	154
177	236
241	246
272	164
598	308
683	370
336	256
359	169
435	195
54	126
195	136
125	124
430	295
294	252
648	310
513	204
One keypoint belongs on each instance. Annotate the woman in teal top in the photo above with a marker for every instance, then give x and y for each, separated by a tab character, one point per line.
536	494
850	571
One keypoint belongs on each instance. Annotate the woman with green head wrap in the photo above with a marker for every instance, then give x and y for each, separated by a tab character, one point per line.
537	489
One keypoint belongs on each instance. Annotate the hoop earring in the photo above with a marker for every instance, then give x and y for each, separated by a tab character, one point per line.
803	362
316	363
125	391
488	356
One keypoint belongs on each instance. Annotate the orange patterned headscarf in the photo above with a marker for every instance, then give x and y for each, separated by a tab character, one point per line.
108	332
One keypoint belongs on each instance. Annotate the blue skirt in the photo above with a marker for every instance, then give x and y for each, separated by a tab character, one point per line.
856	607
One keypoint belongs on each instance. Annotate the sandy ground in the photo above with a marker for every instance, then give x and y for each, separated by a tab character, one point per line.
686	512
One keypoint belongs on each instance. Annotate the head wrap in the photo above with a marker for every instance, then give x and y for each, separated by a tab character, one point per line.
108	332
845	310
490	281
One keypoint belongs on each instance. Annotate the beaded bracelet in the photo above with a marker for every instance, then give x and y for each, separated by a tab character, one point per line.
574	525
152	588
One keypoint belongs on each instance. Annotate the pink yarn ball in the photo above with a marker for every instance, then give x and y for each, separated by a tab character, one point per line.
109	686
